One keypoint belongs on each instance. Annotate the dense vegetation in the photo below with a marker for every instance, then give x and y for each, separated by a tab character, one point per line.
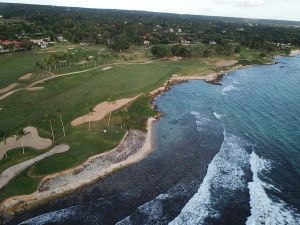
119	28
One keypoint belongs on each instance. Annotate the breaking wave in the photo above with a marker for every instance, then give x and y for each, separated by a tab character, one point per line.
264	210
225	174
229	88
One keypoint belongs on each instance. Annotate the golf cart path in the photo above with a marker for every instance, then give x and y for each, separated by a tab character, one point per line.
13	171
73	73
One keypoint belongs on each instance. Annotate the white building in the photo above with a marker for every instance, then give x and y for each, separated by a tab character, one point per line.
146	42
212	43
40	42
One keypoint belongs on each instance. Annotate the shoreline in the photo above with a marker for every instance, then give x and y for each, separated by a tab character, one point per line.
9	207
134	147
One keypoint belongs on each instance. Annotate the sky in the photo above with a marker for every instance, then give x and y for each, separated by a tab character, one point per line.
263	9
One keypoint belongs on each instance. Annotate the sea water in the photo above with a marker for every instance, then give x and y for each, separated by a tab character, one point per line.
225	154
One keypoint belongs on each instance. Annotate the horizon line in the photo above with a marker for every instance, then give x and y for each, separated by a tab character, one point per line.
158	12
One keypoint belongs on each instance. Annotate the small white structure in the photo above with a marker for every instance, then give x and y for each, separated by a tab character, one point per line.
48	39
171	30
212	43
179	30
146	42
40	42
60	38
183	41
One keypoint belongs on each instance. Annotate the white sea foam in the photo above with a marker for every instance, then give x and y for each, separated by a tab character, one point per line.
264	210
201	120
153	209
53	217
225	174
218	116
228	88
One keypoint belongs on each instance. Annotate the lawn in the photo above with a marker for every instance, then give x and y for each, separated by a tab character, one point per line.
19	64
73	95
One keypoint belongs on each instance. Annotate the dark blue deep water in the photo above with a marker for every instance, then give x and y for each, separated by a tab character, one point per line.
225	154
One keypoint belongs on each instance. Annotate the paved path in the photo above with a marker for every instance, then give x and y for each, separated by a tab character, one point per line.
73	73
13	171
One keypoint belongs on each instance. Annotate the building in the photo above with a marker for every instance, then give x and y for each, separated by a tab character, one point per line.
212	42
47	39
171	30
16	44
179	30
60	38
40	43
183	41
146	42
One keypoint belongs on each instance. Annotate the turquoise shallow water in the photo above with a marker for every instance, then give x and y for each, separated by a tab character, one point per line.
225	154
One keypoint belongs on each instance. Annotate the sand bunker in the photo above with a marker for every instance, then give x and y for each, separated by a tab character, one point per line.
101	110
32	140
34	88
135	146
226	63
13	171
26	76
106	68
8	88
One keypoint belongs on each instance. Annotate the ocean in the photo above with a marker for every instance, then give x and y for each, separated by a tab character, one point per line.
225	154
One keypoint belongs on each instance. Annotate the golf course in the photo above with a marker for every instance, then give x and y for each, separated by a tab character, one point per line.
49	100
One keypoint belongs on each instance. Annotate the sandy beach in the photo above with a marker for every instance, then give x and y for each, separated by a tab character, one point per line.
135	146
295	52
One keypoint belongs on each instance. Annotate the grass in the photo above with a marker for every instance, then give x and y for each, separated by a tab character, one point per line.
74	95
20	185
25	62
16	156
252	56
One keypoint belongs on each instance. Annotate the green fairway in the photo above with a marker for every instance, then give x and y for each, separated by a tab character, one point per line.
17	65
16	156
20	185
73	95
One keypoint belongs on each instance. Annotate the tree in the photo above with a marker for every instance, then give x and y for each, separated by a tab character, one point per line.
9	47
61	121
3	135
26	45
110	100
209	52
90	113
121	44
159	51
49	117
20	134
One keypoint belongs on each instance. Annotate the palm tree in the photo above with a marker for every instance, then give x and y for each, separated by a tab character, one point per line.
90	112
20	134
110	100
3	133
49	117
61	121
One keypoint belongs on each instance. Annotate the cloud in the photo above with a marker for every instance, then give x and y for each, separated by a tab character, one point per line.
242	3
250	3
